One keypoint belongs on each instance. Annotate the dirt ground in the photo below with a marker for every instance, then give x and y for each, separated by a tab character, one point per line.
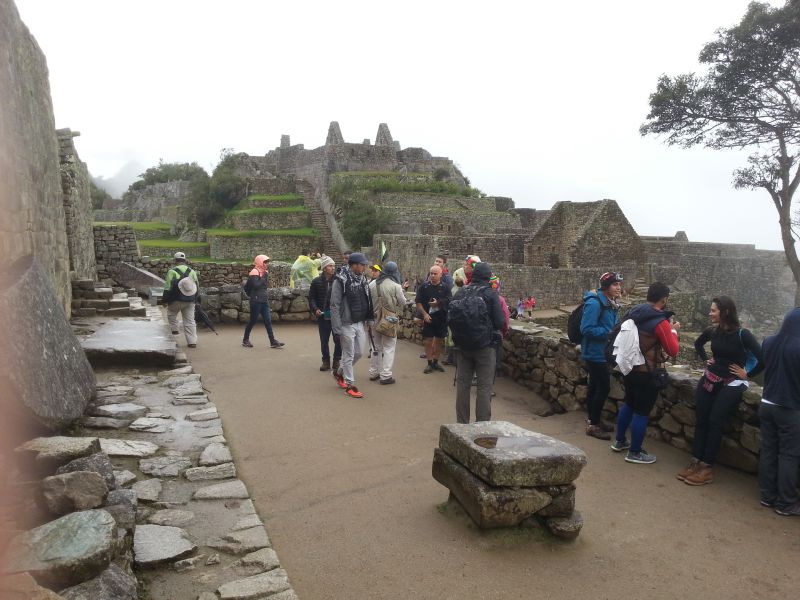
346	492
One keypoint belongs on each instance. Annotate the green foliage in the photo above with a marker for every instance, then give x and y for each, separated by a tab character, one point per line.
362	220
267	210
171	243
165	172
441	174
302	232
226	188
748	97
97	195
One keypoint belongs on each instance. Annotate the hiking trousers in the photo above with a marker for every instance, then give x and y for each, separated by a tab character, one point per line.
480	363
352	337
186	309
382	359
780	454
711	412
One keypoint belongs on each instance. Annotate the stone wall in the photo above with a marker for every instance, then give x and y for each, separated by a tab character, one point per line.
32	217
244	221
119	215
271	187
77	208
163	202
229	304
435	221
408	200
113	244
284	247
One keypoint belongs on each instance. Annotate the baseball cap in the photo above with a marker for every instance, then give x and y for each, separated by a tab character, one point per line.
180	256
606	279
356	258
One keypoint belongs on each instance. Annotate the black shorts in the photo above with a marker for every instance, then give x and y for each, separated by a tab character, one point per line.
437	328
640	393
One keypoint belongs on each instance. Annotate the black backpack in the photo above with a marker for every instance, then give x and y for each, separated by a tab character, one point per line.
608	351
576	316
175	294
469	320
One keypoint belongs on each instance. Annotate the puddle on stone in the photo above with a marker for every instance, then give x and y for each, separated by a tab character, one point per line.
504	442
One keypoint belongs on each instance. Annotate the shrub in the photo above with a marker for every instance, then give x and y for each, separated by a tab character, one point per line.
362	220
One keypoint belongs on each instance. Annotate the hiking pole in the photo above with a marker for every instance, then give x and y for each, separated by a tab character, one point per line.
373	351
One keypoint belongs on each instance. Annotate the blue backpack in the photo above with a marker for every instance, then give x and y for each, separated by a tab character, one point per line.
750	360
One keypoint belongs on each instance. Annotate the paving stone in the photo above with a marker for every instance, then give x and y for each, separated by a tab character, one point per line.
179	380
111	584
215	454
241	542
97	463
208	431
204	414
193	388
178	371
567	528
66	551
134	448
148	490
187	564
150	424
213	560
190	400
110	400
257	586
158	415
285	595
504	454
131	341
123	478
229	489
105	423
489	506
247	522
49	453
77	490
265	559
122	505
171	516
223	471
127	410
165	466
156	544
113	389
207	596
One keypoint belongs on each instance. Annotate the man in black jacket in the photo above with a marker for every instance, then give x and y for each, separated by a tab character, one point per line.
319	302
476	342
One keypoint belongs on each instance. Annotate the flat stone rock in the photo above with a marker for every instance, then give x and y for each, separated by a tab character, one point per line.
566	528
103	400
190	400
257	586
164	466
111	584
179	380
208	432
158	415
194	388
127	410
247	522
488	506
123	478
504	454
49	453
204	414
172	517
134	448
179	371
131	341
156	544
113	389
97	463
229	489
241	542
265	559
187	564
122	505
223	471
215	454
150	424
67	551
77	490
105	423
148	490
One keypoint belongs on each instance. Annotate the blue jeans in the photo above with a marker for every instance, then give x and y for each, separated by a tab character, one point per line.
262	309
325	333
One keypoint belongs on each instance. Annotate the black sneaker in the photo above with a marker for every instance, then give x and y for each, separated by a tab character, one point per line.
276	344
247	344
438	367
789	511
620	445
389	381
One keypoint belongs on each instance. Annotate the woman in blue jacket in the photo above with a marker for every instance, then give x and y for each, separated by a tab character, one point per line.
599	318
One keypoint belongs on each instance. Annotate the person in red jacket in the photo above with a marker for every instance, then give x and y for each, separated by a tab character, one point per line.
658	340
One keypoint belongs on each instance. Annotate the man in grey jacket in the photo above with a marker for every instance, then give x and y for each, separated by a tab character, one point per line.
351	308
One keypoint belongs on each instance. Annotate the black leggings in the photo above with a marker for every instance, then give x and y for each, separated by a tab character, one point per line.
712	410
599	386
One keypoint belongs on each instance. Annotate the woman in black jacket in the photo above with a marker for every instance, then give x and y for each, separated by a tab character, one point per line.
722	386
780	419
256	288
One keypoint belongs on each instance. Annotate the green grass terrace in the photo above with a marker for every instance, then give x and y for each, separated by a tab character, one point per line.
136	225
253	233
267	210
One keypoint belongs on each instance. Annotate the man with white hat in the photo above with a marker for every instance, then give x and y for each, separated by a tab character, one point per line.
319	303
180	293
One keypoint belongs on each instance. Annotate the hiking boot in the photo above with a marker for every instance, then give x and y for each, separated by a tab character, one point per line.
353	392
247	344
595	431
428	369
620	445
374	377
702	475
640	458
340	380
326	365
438	367
789	511
693	466
389	381
276	344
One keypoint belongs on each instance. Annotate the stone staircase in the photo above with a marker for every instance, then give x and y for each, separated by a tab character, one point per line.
91	298
318	221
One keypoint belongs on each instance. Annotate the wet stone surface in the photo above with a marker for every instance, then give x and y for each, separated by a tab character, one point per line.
131	341
155	544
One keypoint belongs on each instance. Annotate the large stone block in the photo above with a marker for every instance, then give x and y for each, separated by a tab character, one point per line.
46	380
488	506
504	454
128	341
77	490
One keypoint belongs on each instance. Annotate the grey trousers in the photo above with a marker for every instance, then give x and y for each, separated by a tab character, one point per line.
480	363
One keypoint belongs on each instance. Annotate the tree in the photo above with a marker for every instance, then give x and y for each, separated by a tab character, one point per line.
362	220
749	97
98	195
226	187
164	172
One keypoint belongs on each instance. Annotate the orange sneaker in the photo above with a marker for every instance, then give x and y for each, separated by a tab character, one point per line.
353	392
340	380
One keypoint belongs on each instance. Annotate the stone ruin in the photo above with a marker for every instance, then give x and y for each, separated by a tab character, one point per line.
504	476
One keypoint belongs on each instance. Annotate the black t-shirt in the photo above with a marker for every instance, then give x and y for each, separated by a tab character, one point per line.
440	291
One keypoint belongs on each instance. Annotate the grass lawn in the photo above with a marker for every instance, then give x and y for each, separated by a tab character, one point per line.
171	243
138	225
303	232
267	211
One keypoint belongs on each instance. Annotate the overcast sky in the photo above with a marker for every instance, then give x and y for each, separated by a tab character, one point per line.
540	101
